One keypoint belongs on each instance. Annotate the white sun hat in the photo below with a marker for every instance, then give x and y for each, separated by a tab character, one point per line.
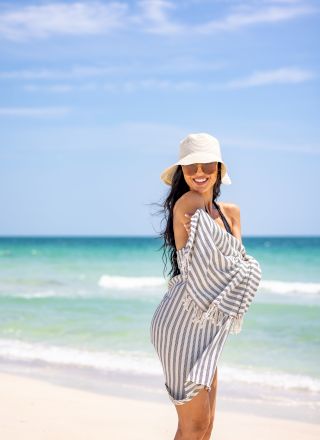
197	148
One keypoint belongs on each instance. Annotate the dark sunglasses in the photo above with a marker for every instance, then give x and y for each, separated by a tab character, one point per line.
207	168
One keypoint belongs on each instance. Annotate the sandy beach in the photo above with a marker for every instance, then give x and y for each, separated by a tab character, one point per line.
36	409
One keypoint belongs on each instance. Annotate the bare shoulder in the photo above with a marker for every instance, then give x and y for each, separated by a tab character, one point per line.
188	202
232	212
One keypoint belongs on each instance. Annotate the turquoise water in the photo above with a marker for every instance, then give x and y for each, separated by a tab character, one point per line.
88	302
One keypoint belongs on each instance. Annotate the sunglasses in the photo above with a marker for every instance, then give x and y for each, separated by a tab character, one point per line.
207	168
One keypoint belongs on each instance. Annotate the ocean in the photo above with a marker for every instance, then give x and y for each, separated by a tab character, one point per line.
84	304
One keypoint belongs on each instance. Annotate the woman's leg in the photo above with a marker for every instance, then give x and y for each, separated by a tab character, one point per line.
194	417
212	399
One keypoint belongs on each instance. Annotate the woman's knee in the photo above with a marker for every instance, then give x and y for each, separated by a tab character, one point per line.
194	416
197	424
210	426
194	429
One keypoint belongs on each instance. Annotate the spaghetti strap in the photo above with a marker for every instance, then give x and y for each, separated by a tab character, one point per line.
225	222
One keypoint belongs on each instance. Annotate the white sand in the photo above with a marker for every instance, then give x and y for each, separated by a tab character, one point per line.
37	410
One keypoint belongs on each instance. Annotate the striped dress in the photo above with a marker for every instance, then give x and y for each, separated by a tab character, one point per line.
203	304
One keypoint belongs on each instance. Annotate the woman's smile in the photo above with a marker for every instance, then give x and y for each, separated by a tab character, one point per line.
201	181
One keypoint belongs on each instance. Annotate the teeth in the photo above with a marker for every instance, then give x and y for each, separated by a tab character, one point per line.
200	180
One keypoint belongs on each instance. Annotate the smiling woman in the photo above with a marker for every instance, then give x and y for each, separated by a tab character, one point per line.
212	285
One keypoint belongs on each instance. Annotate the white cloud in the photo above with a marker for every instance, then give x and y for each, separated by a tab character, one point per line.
55	88
155	18
287	2
61	87
236	20
74	72
152	84
34	112
182	64
78	18
149	16
285	75
177	65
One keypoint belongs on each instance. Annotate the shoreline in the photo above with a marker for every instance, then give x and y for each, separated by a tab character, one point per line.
37	409
240	398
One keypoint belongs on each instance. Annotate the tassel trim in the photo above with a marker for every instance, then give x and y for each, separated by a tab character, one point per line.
214	314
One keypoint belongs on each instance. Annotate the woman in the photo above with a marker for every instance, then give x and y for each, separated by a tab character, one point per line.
212	285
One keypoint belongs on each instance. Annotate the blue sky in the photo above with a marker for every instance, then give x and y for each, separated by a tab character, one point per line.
96	96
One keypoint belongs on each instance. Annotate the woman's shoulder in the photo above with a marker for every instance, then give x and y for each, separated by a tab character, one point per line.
189	202
190	197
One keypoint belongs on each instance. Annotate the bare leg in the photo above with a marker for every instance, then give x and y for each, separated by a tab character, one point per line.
194	417
212	399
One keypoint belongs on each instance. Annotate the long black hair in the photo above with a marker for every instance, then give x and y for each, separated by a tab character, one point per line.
178	188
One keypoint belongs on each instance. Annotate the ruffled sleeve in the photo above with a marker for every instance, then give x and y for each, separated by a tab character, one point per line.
220	277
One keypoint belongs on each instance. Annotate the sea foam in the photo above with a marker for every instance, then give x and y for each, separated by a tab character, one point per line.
143	363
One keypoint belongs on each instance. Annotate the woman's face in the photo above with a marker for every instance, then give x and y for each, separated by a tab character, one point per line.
201	176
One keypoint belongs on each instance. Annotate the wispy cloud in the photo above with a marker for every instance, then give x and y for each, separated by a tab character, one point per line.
285	75
178	65
152	84
126	86
39	21
253	16
21	23
155	18
287	2
34	112
61	87
73	72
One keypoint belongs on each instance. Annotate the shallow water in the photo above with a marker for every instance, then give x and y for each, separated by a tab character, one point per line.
87	303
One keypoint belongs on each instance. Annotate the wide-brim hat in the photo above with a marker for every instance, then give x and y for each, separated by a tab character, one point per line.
198	148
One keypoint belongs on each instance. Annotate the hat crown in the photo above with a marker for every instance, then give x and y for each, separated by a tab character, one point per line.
199	143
